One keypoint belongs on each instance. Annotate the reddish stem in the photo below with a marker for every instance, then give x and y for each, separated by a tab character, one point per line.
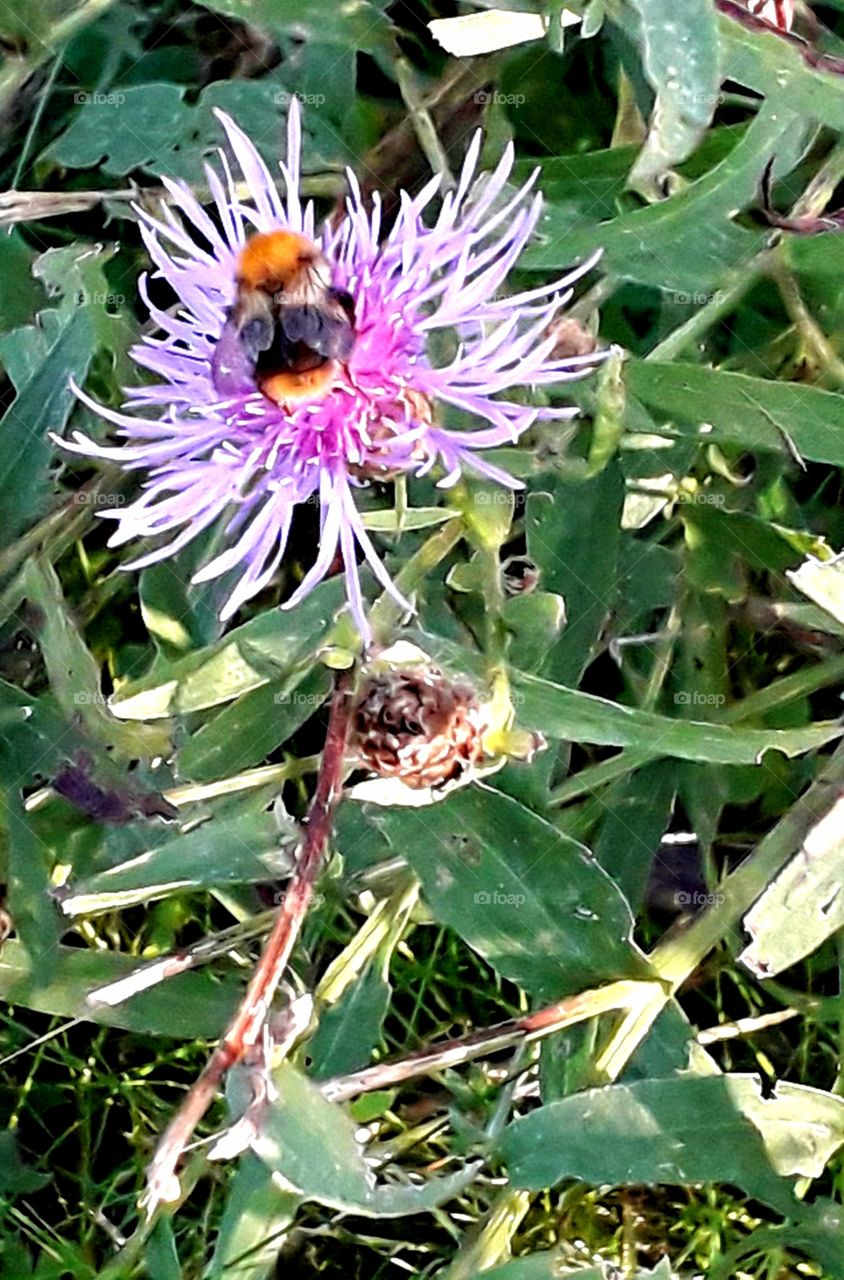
450	1053
245	1028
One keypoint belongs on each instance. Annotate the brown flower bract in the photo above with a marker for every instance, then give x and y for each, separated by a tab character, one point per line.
419	726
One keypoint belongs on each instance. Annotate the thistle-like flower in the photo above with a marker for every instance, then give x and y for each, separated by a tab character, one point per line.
326	382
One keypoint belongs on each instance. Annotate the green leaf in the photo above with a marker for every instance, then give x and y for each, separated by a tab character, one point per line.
227	850
150	128
780	71
716	407
586	186
37	924
263	649
349	1030
16	1177
804	905
534	621
21	294
246	732
530	899
256	1215
391	520
652	246
581	570
178	614
582	717
546	1266
572	715
190	1006
360	24
681	57
311	1145
679	1130
160	1254
637	812
51	355
74	675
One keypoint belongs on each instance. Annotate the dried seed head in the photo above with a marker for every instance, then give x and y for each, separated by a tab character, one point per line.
572	338
419	726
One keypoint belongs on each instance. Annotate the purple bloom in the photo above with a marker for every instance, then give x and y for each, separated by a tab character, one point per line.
216	449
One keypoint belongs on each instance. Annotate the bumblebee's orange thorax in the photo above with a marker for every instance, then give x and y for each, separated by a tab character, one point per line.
272	258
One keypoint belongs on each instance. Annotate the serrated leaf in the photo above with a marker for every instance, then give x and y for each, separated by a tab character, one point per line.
652	246
150	128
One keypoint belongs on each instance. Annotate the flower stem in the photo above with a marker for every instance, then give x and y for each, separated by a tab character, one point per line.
423	125
248	1022
736	285
624	994
385	612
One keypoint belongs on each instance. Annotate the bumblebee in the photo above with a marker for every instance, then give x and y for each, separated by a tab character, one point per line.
288	322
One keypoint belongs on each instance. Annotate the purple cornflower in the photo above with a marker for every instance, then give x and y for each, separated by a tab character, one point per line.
218	450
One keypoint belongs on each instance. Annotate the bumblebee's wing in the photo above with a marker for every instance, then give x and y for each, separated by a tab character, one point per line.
323	329
302	324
